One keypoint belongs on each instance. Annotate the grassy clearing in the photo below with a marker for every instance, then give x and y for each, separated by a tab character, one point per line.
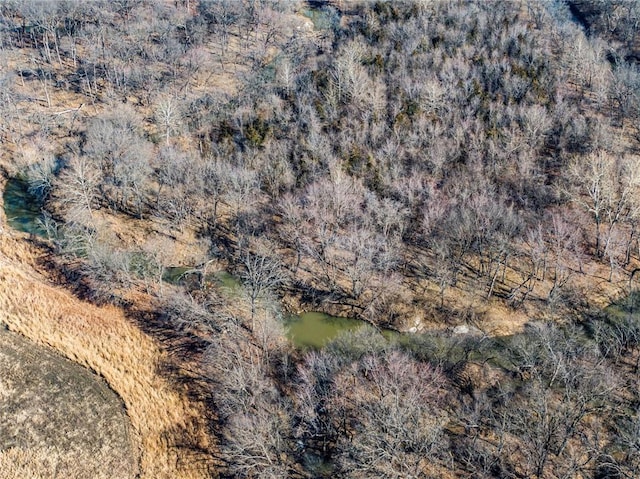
169	431
57	420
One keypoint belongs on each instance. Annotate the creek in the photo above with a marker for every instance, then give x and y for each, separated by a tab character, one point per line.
22	209
308	330
313	329
188	275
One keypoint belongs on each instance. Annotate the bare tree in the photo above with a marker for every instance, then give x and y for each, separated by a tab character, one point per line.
550	415
357	254
316	427
330	206
115	143
168	117
255	443
77	188
220	17
253	418
627	463
180	185
261	275
564	247
607	188
215	186
242	189
397	424
291	228
624	90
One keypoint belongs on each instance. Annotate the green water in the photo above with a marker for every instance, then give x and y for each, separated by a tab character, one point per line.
228	282
176	274
188	274
313	330
22	209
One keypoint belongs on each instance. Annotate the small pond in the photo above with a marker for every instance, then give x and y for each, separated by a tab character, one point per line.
22	209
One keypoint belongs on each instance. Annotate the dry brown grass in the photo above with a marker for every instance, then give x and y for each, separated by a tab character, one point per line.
169	431
57	419
51	463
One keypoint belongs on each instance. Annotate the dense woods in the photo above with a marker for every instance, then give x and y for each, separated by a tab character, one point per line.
418	165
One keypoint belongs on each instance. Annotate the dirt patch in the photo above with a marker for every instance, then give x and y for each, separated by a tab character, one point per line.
57	419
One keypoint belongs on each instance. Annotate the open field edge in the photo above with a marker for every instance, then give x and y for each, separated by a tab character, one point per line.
169	430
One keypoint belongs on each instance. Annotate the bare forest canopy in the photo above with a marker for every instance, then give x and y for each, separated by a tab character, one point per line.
418	165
